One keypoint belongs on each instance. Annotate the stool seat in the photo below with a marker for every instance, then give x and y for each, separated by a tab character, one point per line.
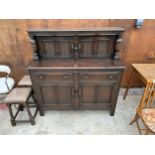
25	81
18	95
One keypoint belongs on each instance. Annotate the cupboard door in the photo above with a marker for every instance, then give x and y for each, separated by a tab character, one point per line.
97	47
56	96
96	90
55	90
55	47
96	95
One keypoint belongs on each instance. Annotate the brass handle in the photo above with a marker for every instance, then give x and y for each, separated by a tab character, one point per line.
41	77
72	46
79	46
86	76
75	47
110	76
66	77
76	93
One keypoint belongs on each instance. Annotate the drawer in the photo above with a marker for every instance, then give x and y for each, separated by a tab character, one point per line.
113	76
53	76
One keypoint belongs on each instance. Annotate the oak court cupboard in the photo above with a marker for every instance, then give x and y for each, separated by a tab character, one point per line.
77	68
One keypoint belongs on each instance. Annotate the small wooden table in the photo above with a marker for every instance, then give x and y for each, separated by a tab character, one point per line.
145	72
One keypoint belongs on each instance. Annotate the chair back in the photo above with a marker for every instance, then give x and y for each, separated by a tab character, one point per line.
149	97
5	69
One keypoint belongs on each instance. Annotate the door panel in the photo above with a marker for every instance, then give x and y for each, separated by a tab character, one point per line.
96	93
97	88
56	93
98	46
55	89
55	47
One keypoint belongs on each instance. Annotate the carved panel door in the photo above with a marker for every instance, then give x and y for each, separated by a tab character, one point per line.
96	90
97	47
54	89
55	47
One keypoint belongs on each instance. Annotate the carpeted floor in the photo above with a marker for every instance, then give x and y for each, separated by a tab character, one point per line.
83	122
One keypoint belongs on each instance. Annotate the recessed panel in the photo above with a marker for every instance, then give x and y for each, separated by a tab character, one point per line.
56	94
55	47
96	94
97	46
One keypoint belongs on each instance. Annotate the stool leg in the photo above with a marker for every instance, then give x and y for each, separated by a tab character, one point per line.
21	108
30	115
11	115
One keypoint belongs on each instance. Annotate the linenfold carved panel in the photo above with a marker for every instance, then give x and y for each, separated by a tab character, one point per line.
97	46
55	47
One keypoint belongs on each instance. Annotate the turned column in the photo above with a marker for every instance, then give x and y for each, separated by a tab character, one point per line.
35	48
118	46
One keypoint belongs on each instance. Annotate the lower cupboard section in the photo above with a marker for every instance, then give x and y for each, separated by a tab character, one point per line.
70	89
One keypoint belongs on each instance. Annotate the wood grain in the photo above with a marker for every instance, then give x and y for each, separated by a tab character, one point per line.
16	51
146	71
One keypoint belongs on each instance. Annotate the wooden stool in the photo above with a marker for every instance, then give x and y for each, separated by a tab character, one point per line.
20	96
26	82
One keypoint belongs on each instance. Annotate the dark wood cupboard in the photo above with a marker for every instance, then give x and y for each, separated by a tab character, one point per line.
76	69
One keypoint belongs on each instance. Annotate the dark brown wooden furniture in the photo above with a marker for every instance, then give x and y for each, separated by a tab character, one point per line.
76	69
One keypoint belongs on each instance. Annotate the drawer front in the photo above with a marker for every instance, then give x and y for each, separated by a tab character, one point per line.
99	76
54	76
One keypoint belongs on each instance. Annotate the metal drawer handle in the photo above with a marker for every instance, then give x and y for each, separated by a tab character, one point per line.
86	76
66	77
110	76
41	77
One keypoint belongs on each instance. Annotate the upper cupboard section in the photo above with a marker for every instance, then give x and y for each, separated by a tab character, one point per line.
76	44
